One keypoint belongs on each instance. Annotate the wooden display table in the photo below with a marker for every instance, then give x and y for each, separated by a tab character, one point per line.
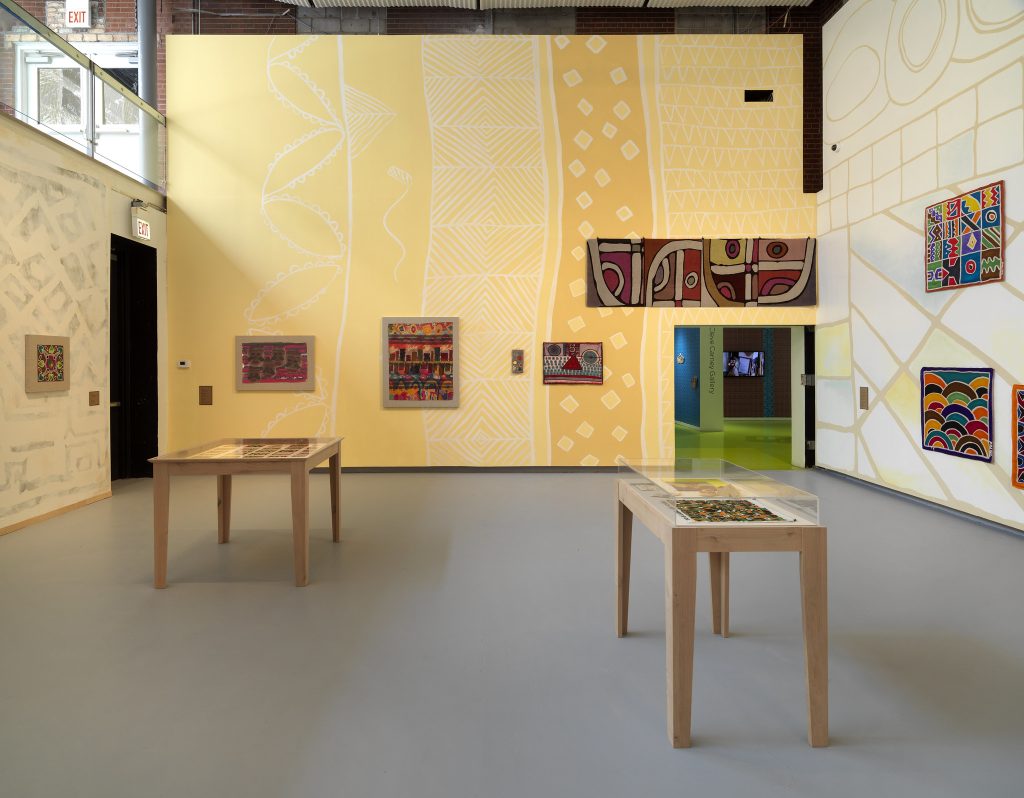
229	456
714	506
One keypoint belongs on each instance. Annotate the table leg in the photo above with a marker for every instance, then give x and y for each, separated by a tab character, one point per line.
724	579
223	508
680	606
161	513
715	563
335	465
300	523
814	598
623	549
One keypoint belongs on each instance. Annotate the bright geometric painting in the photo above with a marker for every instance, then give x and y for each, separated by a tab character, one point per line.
694	272
421	362
964	239
956	411
573	363
274	363
1017	466
47	363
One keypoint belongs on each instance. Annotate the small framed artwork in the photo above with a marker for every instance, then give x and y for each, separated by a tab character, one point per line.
274	363
964	239
1017	417
47	363
956	411
420	362
517	361
573	363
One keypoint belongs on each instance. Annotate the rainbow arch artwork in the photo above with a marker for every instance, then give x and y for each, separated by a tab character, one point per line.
956	411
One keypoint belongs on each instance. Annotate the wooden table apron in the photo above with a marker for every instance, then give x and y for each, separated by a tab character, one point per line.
681	547
297	468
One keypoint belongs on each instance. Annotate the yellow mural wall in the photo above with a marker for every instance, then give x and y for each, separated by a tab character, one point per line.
317	184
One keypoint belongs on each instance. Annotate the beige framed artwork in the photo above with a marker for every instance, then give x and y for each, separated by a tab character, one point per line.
47	363
274	363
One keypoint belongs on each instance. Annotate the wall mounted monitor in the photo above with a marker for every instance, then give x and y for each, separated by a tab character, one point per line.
743	364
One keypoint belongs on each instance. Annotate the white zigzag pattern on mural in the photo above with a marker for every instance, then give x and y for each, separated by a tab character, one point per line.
488	218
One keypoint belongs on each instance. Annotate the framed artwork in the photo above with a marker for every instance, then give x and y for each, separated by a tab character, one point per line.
716	511
573	363
274	363
963	242
47	363
956	411
517	361
1017	417
701	272
420	362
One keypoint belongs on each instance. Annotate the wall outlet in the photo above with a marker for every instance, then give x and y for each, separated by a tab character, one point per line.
206	394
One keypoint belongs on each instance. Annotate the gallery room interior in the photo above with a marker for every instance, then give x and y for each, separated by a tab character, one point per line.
504	398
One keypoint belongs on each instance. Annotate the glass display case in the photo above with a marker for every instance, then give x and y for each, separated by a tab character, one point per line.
705	491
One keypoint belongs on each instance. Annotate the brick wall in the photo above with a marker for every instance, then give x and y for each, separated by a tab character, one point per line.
606	21
425	21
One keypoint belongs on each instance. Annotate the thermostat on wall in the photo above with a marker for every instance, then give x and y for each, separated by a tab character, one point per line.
184	364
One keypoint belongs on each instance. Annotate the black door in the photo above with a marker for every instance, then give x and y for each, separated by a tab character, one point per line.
133	387
809	396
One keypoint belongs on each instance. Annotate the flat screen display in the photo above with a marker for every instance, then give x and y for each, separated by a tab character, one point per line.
743	364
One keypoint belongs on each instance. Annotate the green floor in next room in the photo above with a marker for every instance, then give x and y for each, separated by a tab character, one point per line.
756	443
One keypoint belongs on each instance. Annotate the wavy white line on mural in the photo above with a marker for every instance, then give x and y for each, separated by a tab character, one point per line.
317	399
253	314
348	260
405	180
559	201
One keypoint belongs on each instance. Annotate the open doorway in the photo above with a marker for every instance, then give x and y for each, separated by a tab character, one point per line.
133	359
741	395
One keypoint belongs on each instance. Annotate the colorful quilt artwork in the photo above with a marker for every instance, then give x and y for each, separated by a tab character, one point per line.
685	272
573	363
1017	469
274	363
956	411
421	362
964	239
715	511
47	364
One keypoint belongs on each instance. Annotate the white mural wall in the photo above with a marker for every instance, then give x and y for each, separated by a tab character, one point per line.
922	100
54	280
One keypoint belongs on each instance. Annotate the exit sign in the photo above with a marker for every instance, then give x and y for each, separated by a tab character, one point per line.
142	229
76	14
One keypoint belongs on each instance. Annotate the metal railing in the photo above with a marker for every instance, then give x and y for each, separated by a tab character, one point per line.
60	90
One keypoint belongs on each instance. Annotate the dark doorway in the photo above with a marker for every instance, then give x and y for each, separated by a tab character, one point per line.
133	359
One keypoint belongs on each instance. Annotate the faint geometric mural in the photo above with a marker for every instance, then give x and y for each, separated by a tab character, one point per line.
956	412
1017	439
925	102
54	276
573	363
489	226
964	239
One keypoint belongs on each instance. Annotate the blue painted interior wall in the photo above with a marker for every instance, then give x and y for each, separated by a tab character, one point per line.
687	398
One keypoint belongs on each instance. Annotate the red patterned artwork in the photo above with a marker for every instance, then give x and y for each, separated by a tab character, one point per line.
274	363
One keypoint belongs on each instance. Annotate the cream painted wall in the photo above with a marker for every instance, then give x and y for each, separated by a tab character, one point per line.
57	212
924	100
319	183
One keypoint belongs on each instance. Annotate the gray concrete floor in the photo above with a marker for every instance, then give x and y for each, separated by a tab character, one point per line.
460	642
